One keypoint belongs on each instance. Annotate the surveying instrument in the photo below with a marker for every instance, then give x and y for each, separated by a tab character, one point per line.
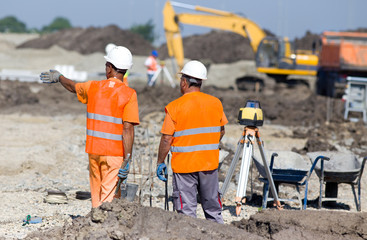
165	71
251	116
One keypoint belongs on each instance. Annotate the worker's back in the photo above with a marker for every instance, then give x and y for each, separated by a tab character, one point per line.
197	117
196	110
106	95
105	107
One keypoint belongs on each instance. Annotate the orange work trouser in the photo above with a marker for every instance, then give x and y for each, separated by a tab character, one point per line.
103	177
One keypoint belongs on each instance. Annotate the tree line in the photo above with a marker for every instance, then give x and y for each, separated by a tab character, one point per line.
11	24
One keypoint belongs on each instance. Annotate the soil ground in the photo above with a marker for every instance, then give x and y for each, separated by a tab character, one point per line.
42	149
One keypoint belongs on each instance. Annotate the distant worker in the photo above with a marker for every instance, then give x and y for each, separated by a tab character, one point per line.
152	66
108	48
192	129
112	113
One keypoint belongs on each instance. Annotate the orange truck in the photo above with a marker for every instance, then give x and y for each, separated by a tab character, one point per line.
343	55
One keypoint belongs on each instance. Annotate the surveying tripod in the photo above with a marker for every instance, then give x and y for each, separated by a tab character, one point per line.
166	72
245	144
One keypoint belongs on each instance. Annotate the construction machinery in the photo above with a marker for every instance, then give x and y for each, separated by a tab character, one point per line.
343	56
274	55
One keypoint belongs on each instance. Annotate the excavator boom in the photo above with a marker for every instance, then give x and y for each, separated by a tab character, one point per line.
218	19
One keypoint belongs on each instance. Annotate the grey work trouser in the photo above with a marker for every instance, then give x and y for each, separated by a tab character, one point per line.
187	185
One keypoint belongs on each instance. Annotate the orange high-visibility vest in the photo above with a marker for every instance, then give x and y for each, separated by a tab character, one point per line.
153	64
195	147
106	102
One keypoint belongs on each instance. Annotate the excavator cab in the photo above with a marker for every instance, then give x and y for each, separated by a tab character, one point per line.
274	52
276	58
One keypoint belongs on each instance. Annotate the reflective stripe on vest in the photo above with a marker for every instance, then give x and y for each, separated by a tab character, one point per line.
196	131
193	131
195	148
104	135
104	118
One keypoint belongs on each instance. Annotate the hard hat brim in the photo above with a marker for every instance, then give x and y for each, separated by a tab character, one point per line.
203	79
123	67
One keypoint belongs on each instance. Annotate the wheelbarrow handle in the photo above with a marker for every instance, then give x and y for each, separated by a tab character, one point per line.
314	165
123	165
166	206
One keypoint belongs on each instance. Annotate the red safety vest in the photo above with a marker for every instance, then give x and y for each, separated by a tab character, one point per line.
106	102
195	147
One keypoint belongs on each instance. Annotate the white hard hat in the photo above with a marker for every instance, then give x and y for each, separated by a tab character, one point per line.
120	57
195	69
109	47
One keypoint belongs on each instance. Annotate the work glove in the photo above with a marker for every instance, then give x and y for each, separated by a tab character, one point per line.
161	172
50	77
123	172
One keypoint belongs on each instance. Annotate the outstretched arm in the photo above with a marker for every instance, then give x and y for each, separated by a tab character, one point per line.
67	83
54	76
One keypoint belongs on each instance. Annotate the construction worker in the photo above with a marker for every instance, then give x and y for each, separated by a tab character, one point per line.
192	129
152	66
112	113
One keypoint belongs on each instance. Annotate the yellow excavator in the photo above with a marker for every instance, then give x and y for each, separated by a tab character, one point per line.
274	55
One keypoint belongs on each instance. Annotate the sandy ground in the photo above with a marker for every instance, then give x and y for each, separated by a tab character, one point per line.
42	148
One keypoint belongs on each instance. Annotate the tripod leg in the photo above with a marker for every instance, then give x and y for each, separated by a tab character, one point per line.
231	169
268	174
173	85
155	76
242	181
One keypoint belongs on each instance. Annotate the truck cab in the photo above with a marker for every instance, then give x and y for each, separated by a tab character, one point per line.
342	55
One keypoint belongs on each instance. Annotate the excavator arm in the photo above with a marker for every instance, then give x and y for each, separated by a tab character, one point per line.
217	19
274	55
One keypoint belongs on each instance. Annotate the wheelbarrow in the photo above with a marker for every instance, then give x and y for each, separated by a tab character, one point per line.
342	168
291	168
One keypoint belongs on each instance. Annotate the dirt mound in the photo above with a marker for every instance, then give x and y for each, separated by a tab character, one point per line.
273	224
289	105
13	94
90	40
124	220
216	46
295	106
347	134
306	42
313	39
227	47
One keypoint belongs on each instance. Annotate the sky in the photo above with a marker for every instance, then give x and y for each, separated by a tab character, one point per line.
291	18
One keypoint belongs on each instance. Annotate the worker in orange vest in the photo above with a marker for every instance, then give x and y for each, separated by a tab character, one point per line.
192	129
152	66
112	113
